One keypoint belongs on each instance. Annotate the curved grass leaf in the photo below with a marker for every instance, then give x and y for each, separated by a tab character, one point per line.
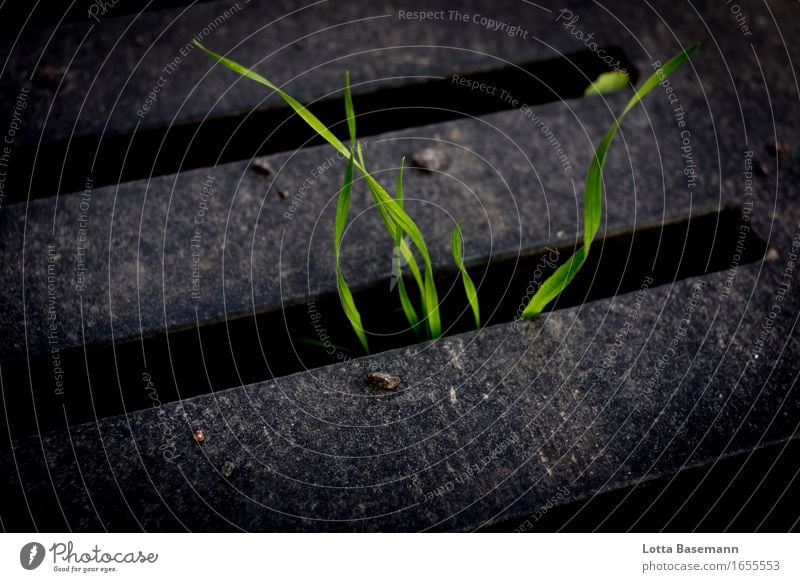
469	286
608	82
298	107
411	261
349	110
342	211
405	300
593	194
345	296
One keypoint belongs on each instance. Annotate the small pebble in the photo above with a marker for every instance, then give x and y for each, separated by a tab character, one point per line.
779	149
382	380
772	255
760	169
199	436
429	159
261	167
283	194
227	469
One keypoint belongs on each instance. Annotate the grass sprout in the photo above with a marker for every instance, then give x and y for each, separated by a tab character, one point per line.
469	286
593	194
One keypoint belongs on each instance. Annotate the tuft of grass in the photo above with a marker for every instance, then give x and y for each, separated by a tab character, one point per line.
394	215
608	82
593	194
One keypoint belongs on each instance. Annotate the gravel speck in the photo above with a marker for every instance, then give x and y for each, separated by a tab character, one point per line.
429	159
227	469
382	380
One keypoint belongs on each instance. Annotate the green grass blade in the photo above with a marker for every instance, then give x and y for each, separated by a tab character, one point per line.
394	217
298	107
432	316
390	226
349	110
593	194
469	286
342	208
398	193
345	296
405	300
608	82
555	284
402	220
408	306
411	261
379	196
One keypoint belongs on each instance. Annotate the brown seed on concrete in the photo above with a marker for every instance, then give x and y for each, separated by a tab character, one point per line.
199	436
429	159
382	380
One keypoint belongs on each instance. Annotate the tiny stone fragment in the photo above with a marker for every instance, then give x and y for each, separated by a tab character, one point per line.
227	469
283	194
262	167
772	255
199	436
778	149
382	380
429	159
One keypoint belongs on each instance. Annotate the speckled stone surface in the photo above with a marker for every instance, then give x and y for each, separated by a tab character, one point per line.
486	426
321	39
378	44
